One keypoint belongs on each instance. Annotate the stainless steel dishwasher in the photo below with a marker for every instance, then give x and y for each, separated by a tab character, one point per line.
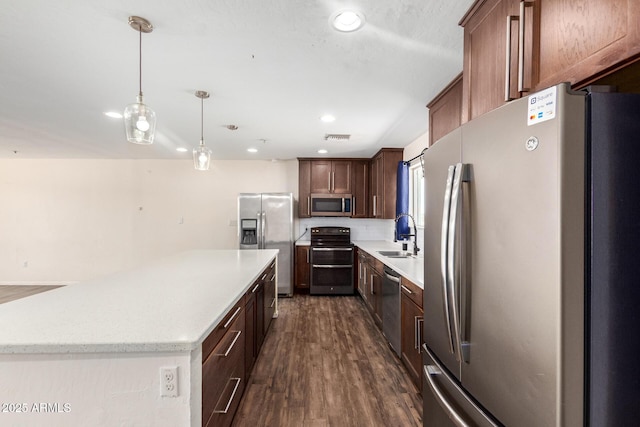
391	309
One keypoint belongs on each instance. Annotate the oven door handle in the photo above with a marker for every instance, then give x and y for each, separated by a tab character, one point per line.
332	249
332	266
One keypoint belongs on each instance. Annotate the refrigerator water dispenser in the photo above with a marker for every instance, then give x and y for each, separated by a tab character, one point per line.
249	231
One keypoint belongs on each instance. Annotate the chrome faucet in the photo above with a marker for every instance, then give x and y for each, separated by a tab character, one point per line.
415	232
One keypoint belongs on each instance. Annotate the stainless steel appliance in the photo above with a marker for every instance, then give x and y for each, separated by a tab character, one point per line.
391	323
331	204
331	261
531	272
265	221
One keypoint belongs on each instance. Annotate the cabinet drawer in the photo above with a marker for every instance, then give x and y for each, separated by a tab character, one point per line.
225	324
223	376
411	290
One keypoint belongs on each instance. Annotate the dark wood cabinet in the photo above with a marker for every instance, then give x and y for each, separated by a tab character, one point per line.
223	369
269	280
304	188
512	47
412	325
302	267
580	40
485	57
383	181
360	188
331	176
445	110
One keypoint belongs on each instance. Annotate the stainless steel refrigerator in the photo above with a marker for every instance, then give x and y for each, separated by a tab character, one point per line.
265	221
532	265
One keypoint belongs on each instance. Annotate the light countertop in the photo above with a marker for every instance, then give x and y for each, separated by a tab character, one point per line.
412	267
168	305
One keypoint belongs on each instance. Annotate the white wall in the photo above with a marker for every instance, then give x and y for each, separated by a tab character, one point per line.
71	220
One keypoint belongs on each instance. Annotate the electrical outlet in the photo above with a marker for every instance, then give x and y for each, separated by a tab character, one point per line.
169	381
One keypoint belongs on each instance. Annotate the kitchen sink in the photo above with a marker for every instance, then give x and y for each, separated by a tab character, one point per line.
396	254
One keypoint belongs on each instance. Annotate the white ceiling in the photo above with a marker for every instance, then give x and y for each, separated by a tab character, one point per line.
273	67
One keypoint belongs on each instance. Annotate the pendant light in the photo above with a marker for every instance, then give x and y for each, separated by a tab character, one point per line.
139	119
202	155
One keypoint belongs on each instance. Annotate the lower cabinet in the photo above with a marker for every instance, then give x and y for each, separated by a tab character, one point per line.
223	369
303	267
412	326
230	351
370	278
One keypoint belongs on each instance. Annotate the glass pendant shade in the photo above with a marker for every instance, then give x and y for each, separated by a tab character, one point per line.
201	157
139	123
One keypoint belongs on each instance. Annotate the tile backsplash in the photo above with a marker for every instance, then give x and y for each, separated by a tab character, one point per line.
361	229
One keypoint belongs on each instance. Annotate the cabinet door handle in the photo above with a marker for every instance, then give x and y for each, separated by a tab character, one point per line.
371	278
419	321
353	205
507	72
375	207
273	302
233	343
521	31
253	291
233	394
309	205
271	278
407	290
308	260
226	325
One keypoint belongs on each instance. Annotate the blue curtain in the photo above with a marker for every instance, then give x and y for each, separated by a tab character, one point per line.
402	200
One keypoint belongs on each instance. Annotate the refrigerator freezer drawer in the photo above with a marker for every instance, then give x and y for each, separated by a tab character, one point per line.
445	402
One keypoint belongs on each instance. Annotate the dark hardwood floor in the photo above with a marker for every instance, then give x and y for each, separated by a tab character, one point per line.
325	363
11	292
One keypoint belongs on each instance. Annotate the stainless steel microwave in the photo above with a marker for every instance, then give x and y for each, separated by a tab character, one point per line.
331	204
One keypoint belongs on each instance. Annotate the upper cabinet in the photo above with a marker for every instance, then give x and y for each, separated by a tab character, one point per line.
384	172
371	183
331	176
360	188
579	40
445	110
485	73
304	188
512	48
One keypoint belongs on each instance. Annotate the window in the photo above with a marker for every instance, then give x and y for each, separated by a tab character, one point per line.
416	193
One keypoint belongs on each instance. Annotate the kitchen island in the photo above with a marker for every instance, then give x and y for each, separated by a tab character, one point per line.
92	353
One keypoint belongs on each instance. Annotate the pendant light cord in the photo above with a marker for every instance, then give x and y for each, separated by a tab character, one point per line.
140	56
202	121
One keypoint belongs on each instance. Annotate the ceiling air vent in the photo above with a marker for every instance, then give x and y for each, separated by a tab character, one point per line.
338	137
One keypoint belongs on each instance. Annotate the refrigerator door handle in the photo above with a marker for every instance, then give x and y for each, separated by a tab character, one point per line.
453	273
444	239
429	372
264	226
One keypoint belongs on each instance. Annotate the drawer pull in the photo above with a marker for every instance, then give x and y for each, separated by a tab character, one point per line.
235	389
233	343
226	325
271	278
407	290
255	288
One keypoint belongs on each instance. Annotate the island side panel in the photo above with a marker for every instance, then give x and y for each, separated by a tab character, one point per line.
99	389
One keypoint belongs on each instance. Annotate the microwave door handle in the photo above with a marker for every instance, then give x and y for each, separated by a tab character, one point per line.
444	240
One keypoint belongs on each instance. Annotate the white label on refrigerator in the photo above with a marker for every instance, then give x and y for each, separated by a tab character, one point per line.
542	106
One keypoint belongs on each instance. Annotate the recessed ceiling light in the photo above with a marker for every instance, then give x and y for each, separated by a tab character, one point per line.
328	118
322	151
252	150
113	114
182	149
347	20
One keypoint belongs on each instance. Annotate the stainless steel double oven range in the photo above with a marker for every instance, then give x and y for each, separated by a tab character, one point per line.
331	261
